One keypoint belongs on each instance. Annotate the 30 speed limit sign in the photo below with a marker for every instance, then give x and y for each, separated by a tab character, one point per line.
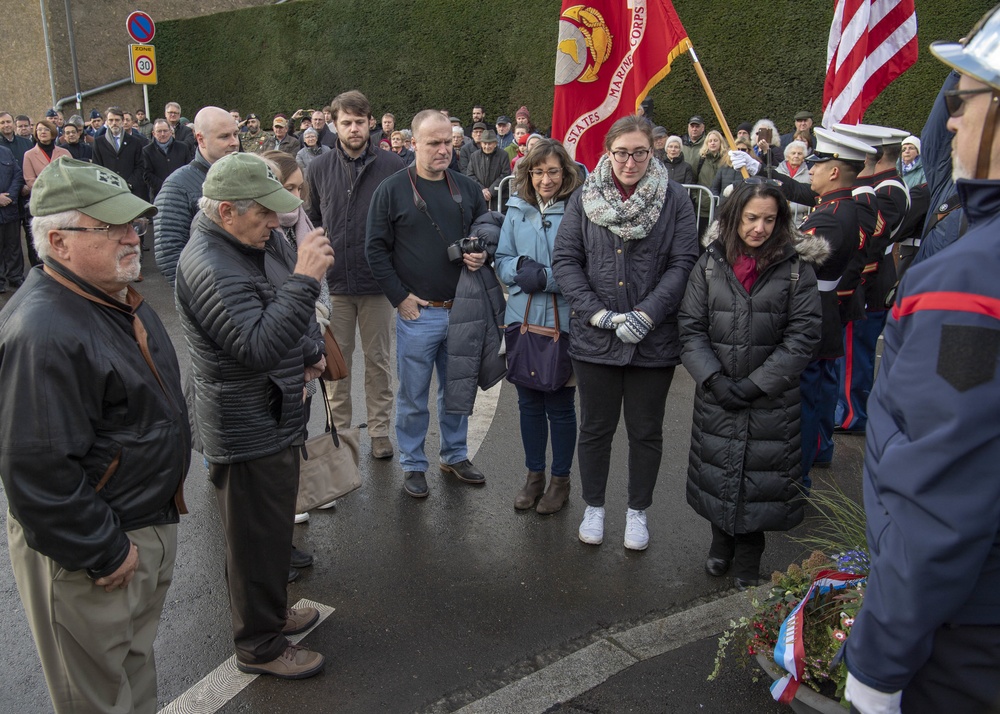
143	64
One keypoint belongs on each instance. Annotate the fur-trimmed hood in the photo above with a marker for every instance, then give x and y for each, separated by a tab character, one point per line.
766	124
811	248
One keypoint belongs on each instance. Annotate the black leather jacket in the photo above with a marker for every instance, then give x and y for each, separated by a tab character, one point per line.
82	406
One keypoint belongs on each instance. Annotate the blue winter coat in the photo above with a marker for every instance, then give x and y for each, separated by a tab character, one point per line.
532	234
931	492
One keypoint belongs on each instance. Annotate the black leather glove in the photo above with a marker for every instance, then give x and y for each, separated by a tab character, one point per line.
531	276
725	392
749	390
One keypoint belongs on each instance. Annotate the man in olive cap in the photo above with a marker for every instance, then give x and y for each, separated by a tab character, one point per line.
247	306
94	454
928	636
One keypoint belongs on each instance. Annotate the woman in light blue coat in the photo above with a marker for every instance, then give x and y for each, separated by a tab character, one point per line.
544	179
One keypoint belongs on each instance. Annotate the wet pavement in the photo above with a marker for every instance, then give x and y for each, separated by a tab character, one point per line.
440	603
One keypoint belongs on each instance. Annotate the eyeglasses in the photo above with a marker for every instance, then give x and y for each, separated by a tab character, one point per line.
622	156
115	233
954	99
551	173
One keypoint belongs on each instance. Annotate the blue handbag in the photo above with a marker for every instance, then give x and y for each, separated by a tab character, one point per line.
538	356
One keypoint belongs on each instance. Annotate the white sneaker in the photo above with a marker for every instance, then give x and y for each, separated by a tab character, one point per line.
301	517
636	533
592	528
331	504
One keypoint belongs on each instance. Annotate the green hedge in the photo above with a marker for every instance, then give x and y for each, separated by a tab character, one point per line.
763	59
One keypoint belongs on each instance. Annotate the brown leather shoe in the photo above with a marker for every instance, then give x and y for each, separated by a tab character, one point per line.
294	663
299	620
533	488
381	447
555	497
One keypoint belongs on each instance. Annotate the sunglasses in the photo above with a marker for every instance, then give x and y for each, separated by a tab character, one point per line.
954	99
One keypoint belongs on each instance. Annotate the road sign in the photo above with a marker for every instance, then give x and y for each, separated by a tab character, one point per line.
140	27
143	64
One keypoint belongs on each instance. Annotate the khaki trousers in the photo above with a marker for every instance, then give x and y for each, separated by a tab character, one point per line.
96	647
372	316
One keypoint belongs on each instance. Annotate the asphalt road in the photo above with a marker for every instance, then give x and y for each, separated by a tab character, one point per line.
441	602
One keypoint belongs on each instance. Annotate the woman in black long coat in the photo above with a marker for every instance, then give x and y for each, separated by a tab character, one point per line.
749	323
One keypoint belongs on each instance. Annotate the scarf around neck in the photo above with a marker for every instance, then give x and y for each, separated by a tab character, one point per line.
632	219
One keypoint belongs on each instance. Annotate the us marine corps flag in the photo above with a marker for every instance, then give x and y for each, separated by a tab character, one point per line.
610	54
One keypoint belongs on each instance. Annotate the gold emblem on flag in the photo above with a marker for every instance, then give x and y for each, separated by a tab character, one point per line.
584	45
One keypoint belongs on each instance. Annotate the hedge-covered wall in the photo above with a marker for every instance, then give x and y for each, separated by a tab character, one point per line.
763	59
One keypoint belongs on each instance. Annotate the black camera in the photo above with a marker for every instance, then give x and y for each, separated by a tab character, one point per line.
465	245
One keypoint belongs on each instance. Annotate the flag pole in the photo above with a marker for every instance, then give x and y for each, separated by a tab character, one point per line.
715	103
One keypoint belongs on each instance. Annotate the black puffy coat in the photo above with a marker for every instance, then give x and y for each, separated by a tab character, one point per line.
745	466
177	202
475	326
249	340
596	270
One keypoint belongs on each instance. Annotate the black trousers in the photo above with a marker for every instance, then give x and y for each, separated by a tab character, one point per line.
29	241
11	257
257	504
744	549
603	390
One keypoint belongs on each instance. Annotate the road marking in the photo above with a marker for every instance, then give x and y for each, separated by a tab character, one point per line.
586	668
225	681
482	417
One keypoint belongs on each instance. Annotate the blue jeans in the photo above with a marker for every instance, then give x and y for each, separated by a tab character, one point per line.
422	344
560	409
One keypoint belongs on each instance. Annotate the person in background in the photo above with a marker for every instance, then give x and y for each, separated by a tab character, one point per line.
694	140
72	141
311	149
660	143
627	220
544	181
11	257
707	165
488	167
677	168
749	321
910	167
727	177
44	151
162	156
398	144
794	166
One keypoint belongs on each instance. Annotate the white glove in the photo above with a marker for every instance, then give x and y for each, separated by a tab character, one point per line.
871	701
634	328
743	160
606	319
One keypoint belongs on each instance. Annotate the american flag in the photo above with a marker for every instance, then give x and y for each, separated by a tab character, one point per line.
871	43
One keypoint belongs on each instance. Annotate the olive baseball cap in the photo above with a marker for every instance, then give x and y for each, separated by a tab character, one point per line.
241	177
67	184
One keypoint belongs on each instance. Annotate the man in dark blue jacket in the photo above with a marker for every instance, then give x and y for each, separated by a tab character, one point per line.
928	636
11	257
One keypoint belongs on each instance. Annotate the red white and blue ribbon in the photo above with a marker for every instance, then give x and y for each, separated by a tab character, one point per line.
789	651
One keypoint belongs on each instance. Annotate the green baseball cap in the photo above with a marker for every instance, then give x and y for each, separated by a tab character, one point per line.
68	184
241	177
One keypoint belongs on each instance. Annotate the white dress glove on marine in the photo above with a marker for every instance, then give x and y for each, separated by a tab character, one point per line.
871	701
743	160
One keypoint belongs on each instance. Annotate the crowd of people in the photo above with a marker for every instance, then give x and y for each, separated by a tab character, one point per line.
773	301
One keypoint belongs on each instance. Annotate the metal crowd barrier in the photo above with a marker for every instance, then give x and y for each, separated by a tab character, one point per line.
502	195
699	194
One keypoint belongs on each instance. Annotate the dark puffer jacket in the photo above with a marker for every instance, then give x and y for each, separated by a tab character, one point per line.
597	270
249	341
475	326
177	202
745	466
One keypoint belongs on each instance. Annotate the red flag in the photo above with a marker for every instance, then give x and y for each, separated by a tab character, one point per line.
610	54
871	43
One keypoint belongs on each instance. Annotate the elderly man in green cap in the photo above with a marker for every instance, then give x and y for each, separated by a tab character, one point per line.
95	446
247	305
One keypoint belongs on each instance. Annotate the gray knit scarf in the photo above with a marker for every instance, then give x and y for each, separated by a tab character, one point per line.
632	219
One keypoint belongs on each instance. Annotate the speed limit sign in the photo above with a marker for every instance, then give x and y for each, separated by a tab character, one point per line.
143	64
